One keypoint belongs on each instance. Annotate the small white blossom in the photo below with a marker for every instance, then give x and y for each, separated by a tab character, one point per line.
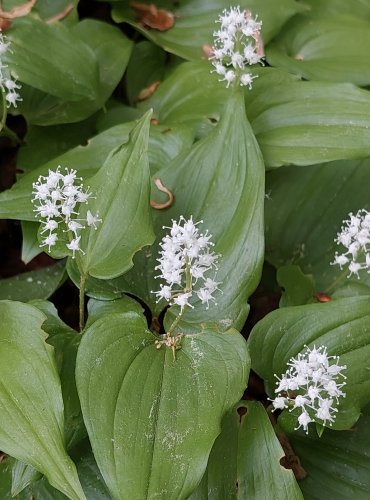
185	258
8	84
355	238
237	44
57	198
312	384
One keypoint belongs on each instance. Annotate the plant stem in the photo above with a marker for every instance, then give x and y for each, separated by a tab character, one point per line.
82	302
175	323
4	111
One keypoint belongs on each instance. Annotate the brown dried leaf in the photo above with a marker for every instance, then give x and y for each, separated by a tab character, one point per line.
161	187
146	93
207	51
322	297
152	17
19	11
4	24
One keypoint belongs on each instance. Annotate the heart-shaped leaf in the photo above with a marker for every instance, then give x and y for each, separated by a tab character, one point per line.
220	181
341	325
31	402
152	432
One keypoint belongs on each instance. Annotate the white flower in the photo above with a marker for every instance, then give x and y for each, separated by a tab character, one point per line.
310	383
185	259
8	84
236	46
92	220
355	238
57	198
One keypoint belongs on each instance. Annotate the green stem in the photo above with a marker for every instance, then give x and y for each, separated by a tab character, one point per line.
82	301
4	111
342	276
175	323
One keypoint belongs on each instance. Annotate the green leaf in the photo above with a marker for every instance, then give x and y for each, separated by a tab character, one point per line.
165	143
30	243
332	7
121	191
324	48
22	476
51	59
109	51
195	22
322	197
221	182
146	66
42	144
91	480
299	123
337	464
341	325
98	308
38	284
151	433
31	400
245	460
298	288
303	123
65	341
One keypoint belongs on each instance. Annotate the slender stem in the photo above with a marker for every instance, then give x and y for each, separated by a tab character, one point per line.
4	111
175	323
82	302
341	277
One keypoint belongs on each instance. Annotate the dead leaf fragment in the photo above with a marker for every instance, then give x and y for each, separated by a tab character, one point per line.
19	11
161	187
152	17
4	24
322	297
146	93
207	51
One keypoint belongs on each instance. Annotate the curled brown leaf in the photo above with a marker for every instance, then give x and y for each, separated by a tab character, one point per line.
152	17
161	187
146	93
19	11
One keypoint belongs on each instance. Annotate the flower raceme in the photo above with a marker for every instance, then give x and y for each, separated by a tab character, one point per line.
185	259
310	385
8	84
237	45
355	238
57	198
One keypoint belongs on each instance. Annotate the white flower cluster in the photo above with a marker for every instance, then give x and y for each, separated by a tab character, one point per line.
237	45
8	83
311	386
185	258
56	197
355	237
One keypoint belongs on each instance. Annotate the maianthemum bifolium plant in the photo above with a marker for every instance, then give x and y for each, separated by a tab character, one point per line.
201	330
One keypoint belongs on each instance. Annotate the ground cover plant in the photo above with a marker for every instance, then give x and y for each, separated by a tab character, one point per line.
185	241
